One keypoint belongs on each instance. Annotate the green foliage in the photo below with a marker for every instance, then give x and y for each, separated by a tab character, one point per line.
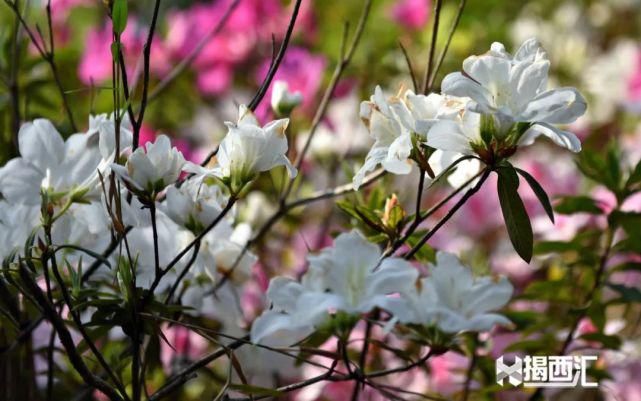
119	15
516	218
577	204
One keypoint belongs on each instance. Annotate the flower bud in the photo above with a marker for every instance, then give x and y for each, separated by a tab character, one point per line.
283	101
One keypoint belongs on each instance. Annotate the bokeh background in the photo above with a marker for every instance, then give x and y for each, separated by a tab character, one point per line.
593	45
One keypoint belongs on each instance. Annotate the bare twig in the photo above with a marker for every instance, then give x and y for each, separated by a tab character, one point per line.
191	57
428	67
344	60
47	54
450	213
65	337
410	69
262	90
441	56
137	124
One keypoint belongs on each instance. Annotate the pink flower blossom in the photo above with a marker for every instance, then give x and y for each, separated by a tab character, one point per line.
634	82
250	23
412	14
447	372
184	344
625	383
95	63
303	72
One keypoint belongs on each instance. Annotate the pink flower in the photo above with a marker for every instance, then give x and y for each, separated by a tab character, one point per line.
303	73
625	383
185	344
634	82
250	23
412	14
447	372
95	63
215	79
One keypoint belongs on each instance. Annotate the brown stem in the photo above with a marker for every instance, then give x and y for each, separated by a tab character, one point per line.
279	58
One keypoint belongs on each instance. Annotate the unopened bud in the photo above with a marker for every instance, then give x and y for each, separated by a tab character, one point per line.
284	101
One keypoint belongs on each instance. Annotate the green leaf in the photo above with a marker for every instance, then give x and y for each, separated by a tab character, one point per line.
539	192
545	247
600	168
426	254
577	204
610	342
516	218
119	16
628	294
634	177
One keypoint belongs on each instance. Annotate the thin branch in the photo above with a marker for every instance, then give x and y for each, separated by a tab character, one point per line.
441	57
279	58
410	69
345	58
428	67
47	55
191	57
182	275
449	214
65	337
196	240
76	319
13	84
421	217
284	209
189	372
137	125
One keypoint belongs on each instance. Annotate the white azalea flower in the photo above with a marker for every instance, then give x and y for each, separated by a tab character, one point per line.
283	101
453	299
194	205
49	163
343	278
393	142
286	323
151	170
348	273
247	150
463	172
513	89
396	122
105	126
16	224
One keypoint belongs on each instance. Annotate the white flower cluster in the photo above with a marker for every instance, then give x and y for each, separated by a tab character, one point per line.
498	103
68	181
350	278
248	149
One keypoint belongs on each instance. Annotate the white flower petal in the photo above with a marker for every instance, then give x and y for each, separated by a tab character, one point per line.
562	138
20	182
556	106
457	84
41	144
447	135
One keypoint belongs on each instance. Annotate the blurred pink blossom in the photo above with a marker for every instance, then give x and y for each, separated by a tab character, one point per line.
185	344
412	14
303	72
625	383
447	373
634	82
251	22
95	63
